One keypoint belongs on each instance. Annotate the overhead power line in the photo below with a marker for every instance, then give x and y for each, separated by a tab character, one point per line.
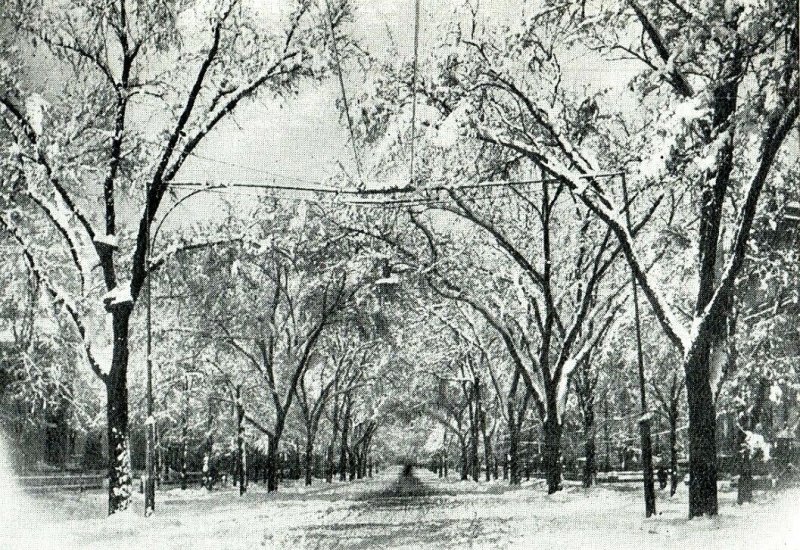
253	169
376	196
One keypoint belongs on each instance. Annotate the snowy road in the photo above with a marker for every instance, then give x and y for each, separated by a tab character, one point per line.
392	511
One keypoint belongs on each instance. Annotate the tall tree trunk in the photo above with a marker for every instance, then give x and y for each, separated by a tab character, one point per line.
344	444
551	453
365	452
273	465
673	450
475	461
208	478
329	463
119	465
296	462
513	455
184	455
185	433
487	447
606	439
702	432
511	465
351	463
590	466
329	455
309	458
745	483
362	463
241	460
513	436
464	458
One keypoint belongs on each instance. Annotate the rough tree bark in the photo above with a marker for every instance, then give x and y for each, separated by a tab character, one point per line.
475	409
329	463
590	466
309	458
551	453
487	446
673	453
702	433
241	460
352	459
343	448
513	451
462	440
585	384
119	467
273	466
329	455
515	416
185	434
208	477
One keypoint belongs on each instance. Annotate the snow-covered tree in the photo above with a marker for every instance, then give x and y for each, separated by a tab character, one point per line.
717	89
138	87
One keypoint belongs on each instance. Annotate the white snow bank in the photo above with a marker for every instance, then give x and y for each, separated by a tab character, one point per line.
22	524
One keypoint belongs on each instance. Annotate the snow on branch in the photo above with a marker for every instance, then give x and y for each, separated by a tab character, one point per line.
260	427
674	328
778	128
183	246
29	131
63	227
603	208
670	72
58	295
107	240
119	295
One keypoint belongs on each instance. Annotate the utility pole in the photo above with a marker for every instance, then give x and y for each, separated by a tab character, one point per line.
644	420
150	423
185	431
607	465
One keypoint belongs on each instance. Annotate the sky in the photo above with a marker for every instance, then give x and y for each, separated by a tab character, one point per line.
303	138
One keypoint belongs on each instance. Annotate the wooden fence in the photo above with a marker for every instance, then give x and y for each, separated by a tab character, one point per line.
62	481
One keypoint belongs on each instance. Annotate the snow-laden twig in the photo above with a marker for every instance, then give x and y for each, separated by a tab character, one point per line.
63	226
58	295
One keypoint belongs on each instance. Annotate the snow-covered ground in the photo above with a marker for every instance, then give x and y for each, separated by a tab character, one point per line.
387	513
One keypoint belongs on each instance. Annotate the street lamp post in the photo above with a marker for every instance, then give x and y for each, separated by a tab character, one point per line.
644	421
150	423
